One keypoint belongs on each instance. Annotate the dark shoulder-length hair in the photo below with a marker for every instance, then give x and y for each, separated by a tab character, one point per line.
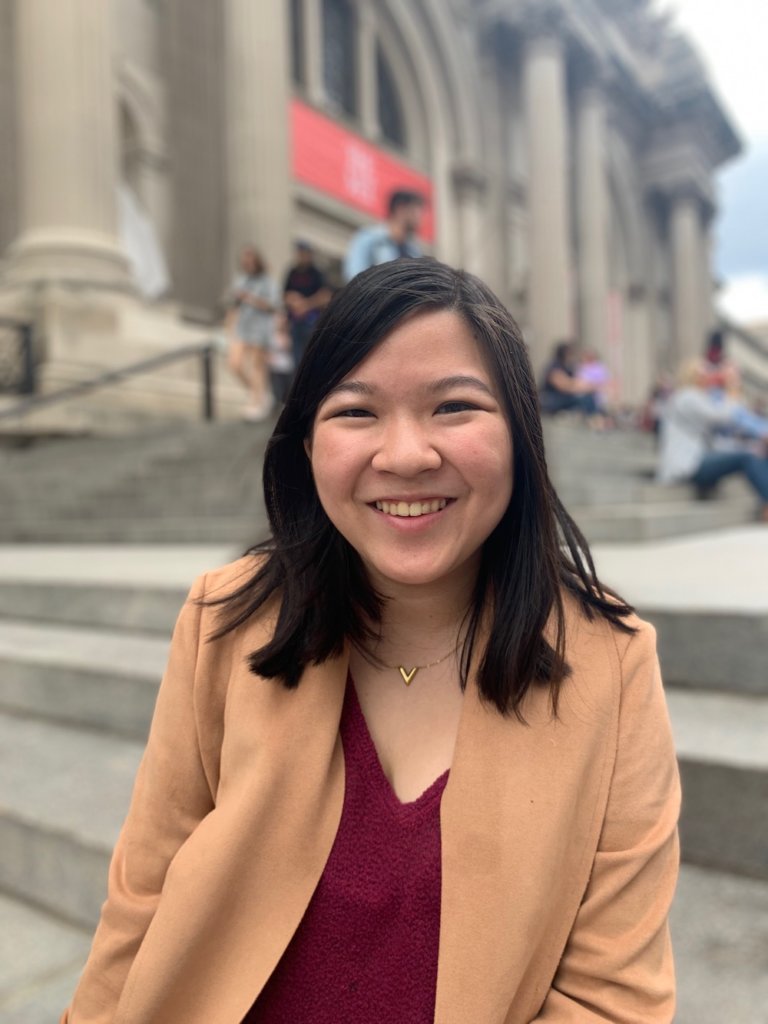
534	557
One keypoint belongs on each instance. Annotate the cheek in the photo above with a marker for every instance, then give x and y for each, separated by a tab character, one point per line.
488	459
335	468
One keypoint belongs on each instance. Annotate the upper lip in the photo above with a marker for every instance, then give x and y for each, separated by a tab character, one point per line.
413	498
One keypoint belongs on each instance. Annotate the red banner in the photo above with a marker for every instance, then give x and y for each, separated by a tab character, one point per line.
339	163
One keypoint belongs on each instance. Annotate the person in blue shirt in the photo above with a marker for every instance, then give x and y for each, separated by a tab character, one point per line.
389	241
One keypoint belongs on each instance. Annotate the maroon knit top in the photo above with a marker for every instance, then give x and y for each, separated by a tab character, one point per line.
366	948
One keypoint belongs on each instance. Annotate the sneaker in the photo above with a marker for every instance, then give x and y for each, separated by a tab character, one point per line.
257	413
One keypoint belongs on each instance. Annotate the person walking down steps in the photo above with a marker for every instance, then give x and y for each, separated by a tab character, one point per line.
254	300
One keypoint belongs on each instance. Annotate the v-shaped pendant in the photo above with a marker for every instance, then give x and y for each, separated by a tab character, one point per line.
408	676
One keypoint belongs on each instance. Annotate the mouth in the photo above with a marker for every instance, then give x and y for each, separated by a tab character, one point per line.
411	509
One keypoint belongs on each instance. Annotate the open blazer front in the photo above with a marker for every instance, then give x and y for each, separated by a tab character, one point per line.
559	839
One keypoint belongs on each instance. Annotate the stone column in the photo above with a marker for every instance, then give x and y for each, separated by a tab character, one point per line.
686	241
470	187
313	50
67	146
259	197
706	276
367	77
550	314
592	213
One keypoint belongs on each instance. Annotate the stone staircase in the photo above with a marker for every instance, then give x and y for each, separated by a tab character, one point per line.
186	483
79	668
201	483
606	482
82	651
81	654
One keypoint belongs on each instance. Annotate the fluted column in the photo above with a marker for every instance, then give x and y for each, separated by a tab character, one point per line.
313	50
258	126
470	185
550	312
67	146
592	214
706	276
686	240
368	95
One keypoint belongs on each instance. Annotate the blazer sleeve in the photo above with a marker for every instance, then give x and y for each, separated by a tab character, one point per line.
171	796
617	965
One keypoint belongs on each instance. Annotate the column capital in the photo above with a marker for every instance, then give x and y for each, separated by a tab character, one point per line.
542	19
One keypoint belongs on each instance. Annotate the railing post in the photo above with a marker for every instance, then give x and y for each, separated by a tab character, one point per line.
209	411
28	376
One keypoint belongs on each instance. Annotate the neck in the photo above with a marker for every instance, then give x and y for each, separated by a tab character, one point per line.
397	231
420	623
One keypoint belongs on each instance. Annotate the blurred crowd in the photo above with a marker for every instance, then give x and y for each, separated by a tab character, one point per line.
705	427
268	326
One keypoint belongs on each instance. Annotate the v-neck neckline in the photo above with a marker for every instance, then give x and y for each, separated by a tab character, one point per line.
372	761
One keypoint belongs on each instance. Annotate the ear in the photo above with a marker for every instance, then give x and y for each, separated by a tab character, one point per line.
308	447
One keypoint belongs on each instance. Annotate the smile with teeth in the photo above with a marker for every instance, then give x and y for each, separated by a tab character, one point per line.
412	508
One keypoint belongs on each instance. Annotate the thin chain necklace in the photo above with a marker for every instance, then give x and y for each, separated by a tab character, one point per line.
408	677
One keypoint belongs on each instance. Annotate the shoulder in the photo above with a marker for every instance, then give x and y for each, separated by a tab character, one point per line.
208	603
220	660
603	657
226	579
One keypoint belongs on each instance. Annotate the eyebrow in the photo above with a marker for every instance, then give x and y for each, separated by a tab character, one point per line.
359	387
460	381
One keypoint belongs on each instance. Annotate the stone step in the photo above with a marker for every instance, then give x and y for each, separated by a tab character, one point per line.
703	647
67	790
174	503
722	745
606	490
638	522
119	607
605	523
65	795
41	957
725	651
237	530
104	680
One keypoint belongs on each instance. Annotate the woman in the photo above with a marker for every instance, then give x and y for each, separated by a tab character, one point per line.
563	390
423	770
254	301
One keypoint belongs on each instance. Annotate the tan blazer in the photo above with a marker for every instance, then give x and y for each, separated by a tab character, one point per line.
559	840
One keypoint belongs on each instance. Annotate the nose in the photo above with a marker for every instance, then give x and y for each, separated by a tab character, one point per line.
405	449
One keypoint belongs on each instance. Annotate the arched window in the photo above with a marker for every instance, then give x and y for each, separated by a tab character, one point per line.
391	118
297	42
339	55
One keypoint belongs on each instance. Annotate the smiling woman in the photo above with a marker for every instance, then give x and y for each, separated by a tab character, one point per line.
410	760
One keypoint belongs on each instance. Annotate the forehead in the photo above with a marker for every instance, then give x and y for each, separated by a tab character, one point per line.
436	342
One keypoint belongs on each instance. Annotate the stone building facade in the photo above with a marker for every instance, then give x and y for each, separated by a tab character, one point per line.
568	148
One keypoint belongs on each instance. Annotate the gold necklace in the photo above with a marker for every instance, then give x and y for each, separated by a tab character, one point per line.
408	677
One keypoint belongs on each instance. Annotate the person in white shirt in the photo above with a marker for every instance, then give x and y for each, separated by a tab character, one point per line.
693	416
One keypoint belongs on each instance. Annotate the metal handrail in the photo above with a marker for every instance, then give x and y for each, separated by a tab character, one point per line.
24	330
205	350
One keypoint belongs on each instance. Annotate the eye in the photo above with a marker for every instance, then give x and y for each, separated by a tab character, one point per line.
352	413
456	406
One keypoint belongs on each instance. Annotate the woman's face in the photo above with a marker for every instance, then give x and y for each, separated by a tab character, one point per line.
412	454
248	261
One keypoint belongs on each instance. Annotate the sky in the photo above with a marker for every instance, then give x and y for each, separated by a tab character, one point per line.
731	38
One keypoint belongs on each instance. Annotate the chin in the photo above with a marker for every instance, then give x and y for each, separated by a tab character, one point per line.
414	576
